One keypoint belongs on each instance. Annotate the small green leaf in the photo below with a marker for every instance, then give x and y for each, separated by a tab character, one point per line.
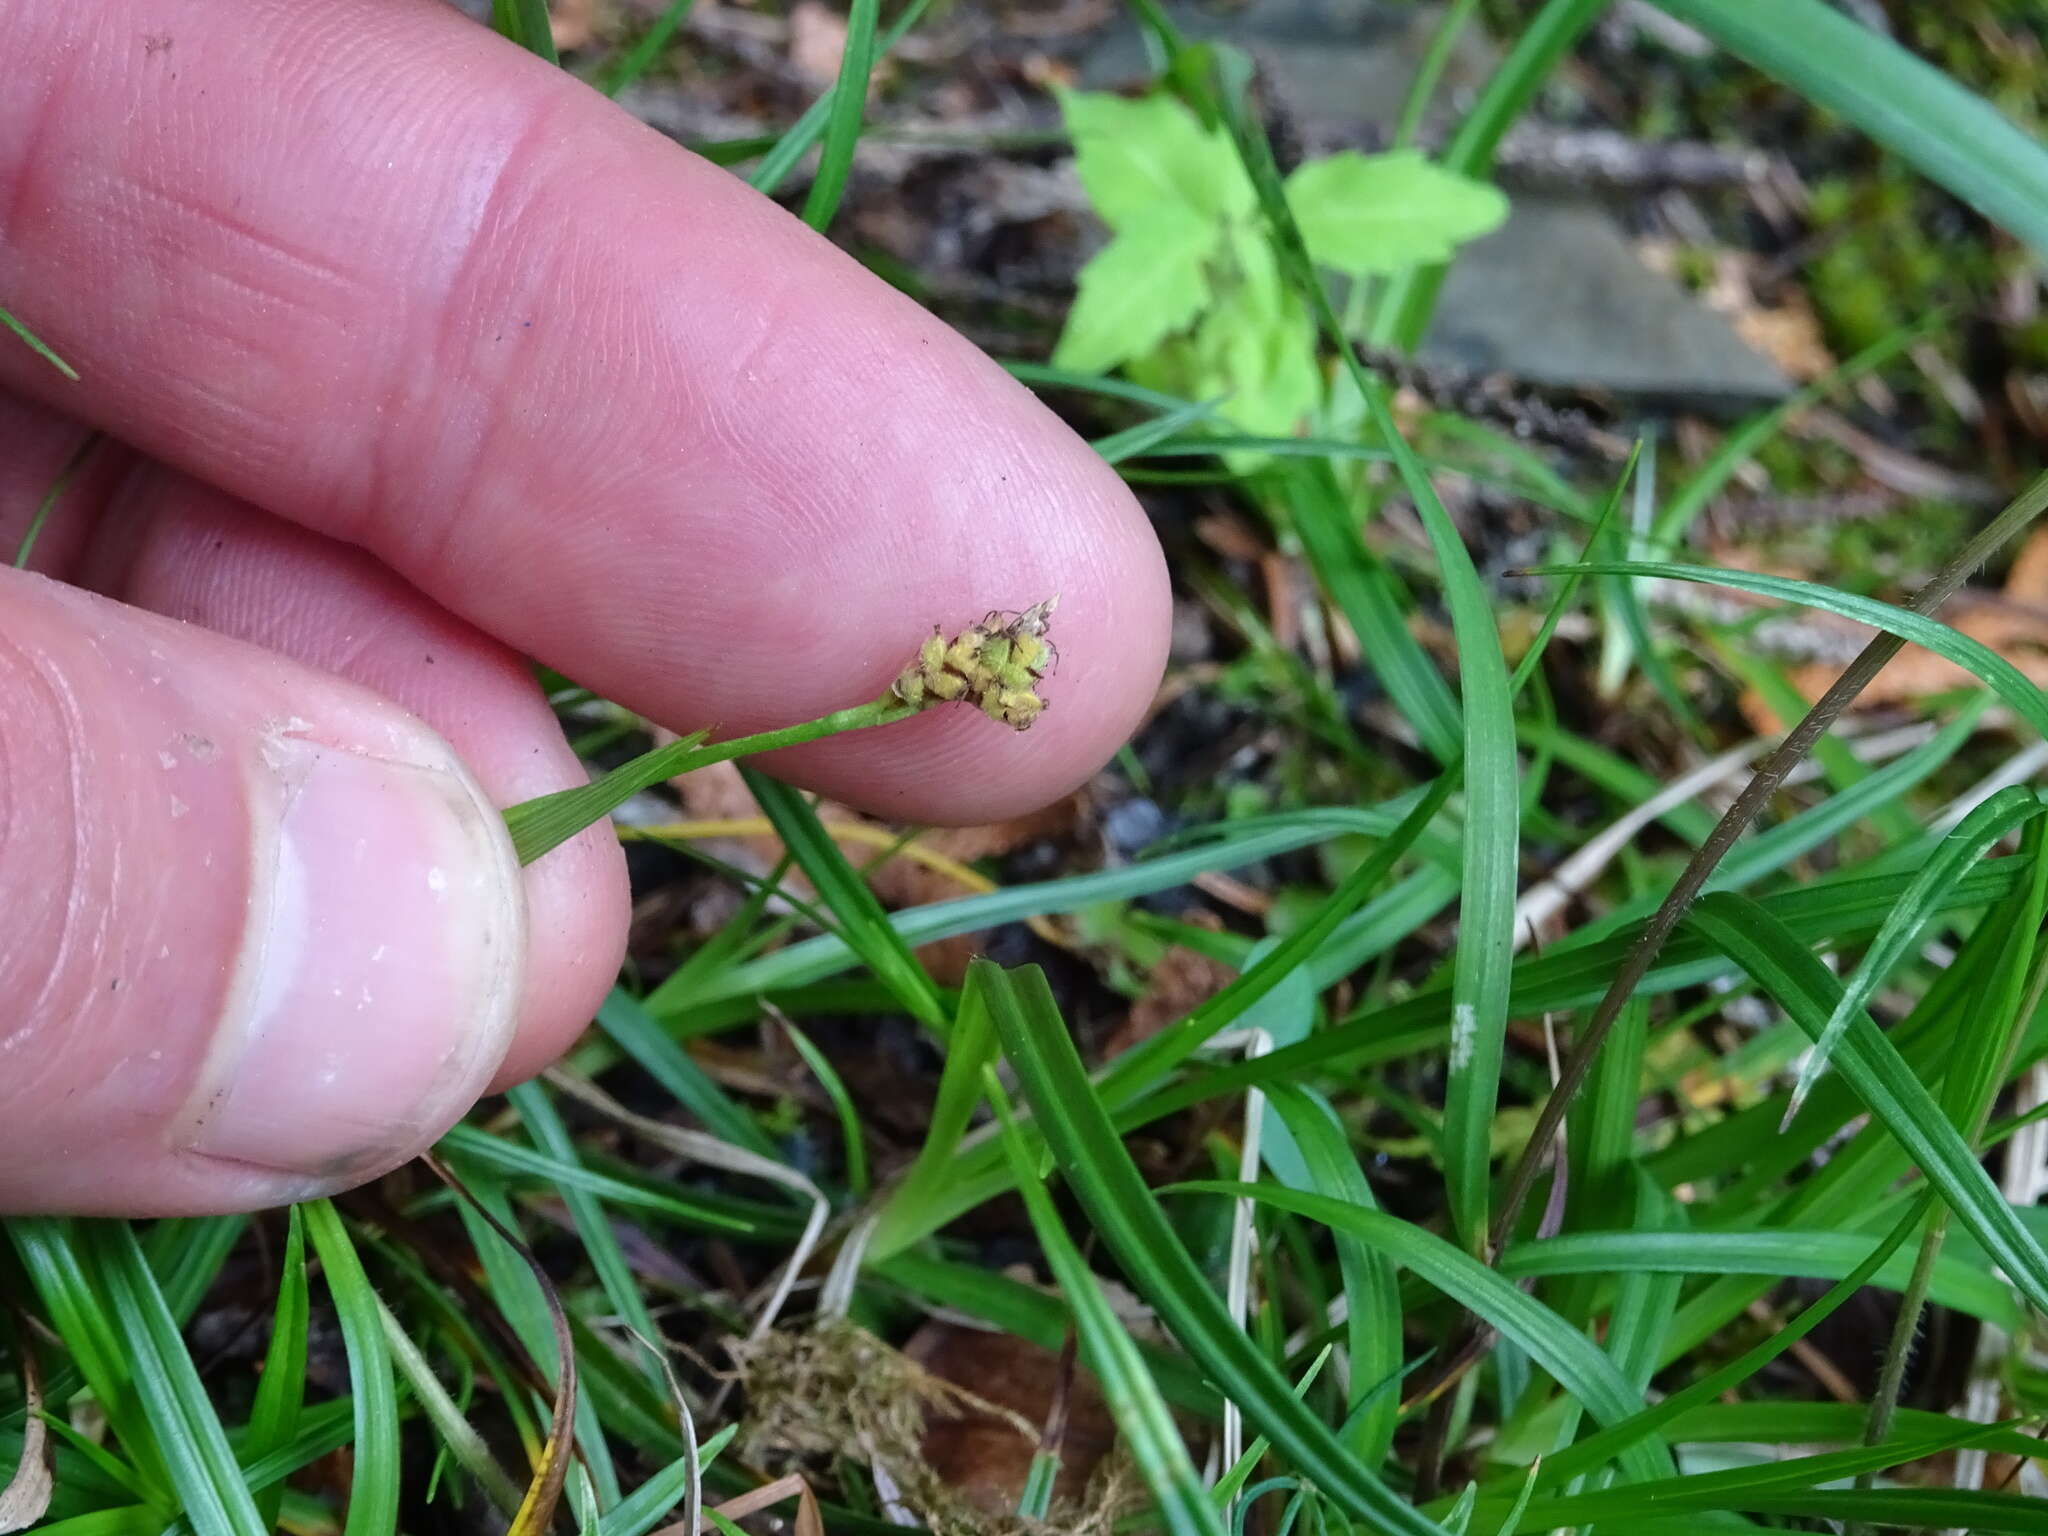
1379	213
1139	289
1138	158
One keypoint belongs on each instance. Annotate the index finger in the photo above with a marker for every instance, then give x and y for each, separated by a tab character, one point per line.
367	265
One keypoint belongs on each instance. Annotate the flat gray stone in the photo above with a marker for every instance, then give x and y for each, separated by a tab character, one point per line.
1558	296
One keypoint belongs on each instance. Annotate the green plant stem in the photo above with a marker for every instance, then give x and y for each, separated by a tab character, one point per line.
52	496
1891	1381
1905	1328
547	821
1430	72
1404	310
641	57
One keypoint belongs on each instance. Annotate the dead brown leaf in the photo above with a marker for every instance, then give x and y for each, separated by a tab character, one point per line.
985	1459
27	1493
1183	979
2017	632
2012	622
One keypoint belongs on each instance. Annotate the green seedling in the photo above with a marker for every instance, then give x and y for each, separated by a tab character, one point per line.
1187	297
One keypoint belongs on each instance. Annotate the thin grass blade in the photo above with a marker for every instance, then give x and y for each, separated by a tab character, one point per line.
1099	1169
1975	835
373	1491
1140	1413
840	888
1952	136
1806	990
200	1462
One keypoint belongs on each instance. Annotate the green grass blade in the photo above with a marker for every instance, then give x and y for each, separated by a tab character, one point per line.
635	1032
1994	1018
1573	1359
84	1322
1486	911
526	23
373	1491
1806	990
461	1444
1796	1486
1792	1252
1683	507
854	1149
1521	1504
807	129
645	1507
593	1224
546	822
187	1254
1230	847
1826	910
515	1285
1101	1173
1410	299
1132	441
642	55
200	1462
1950	135
1372	1291
841	890
688	1209
1224	1492
1598	1448
1561	602
36	345
2006	680
1793	1422
1971	839
53	495
1370	597
1141	1415
1603	1123
906	1214
281	1389
1645	1301
1146	1063
843	121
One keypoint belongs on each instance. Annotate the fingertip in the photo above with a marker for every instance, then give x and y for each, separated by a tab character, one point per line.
953	765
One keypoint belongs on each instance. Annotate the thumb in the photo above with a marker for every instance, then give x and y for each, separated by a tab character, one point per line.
260	931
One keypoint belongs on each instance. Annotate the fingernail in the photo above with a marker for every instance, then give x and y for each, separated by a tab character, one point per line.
379	975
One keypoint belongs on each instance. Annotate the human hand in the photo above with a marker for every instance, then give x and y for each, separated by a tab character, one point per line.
420	357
